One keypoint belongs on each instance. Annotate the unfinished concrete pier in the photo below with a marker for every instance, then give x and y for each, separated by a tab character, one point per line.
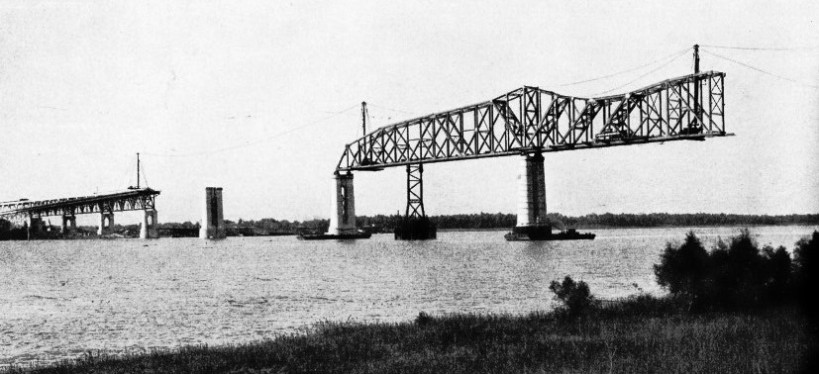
213	221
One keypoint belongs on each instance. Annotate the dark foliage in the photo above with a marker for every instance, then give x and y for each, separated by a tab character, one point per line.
778	266
9	232
736	274
683	270
575	296
423	319
806	274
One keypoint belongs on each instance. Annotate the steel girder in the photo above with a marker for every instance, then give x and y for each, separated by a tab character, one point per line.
141	199
530	119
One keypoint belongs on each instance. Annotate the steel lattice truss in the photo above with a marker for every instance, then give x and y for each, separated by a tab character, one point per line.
139	199
415	191
530	119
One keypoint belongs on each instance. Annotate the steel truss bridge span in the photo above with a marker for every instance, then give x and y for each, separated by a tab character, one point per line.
532	120
130	200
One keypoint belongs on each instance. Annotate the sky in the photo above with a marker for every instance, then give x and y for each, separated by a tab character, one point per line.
261	97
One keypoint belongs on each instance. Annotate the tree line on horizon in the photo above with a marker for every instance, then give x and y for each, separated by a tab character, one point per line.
477	221
387	223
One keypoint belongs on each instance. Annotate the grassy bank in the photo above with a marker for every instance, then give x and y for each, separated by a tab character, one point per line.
645	335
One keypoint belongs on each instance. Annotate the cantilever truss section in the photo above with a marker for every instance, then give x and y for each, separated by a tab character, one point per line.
141	199
530	119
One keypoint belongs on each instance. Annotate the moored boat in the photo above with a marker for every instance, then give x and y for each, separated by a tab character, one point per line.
325	236
570	234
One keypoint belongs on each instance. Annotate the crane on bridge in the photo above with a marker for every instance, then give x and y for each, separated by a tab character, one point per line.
528	122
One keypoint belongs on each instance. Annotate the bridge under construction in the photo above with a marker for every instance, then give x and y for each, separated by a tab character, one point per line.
526	123
31	213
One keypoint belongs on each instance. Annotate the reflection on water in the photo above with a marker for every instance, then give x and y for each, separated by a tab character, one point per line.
59	299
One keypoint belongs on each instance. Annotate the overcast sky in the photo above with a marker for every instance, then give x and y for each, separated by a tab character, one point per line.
260	98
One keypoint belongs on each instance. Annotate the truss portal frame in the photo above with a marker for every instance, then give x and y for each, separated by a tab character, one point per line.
530	119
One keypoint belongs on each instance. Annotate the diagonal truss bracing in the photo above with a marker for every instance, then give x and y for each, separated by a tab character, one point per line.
530	119
415	191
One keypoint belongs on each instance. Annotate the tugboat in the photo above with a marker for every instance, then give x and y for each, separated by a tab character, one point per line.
545	233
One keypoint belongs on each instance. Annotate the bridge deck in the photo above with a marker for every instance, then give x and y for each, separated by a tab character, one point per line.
135	199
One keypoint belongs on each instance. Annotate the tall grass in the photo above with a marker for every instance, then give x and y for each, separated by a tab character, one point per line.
631	336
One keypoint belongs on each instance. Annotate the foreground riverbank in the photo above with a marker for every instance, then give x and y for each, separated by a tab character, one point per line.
636	335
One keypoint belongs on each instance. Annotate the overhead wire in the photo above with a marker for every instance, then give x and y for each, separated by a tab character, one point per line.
391	109
759	48
628	70
672	59
251	143
760	70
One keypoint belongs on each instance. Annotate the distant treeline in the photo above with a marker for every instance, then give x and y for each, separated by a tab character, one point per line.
500	220
683	220
383	223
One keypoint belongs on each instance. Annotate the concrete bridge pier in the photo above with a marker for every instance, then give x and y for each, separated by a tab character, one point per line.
531	218
342	215
147	229
106	223
213	221
69	224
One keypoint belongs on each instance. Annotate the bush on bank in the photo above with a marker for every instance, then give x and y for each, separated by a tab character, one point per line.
737	274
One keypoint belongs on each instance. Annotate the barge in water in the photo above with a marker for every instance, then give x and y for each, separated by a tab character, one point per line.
545	233
319	236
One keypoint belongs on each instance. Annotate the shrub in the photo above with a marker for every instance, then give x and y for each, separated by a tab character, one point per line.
733	275
576	297
423	319
778	269
683	270
805	273
738	274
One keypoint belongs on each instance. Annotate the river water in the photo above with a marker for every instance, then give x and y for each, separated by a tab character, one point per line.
60	299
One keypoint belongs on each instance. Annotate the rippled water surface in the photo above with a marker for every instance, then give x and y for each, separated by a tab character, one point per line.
59	299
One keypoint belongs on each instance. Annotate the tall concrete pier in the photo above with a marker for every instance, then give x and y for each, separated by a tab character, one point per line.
147	229
342	215
213	221
532	195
